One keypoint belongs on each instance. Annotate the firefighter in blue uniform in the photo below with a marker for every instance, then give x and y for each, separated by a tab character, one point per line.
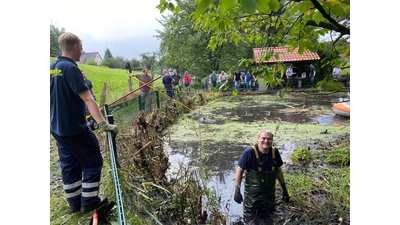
78	147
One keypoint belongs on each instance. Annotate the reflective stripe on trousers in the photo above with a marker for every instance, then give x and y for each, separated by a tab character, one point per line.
80	153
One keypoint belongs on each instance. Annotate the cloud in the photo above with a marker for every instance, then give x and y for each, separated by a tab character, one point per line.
127	28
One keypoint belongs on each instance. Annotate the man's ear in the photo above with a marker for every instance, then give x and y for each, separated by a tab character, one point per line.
76	46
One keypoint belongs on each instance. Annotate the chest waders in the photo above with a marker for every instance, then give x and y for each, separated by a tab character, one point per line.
259	189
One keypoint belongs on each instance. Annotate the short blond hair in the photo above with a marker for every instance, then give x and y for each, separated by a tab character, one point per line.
66	41
266	131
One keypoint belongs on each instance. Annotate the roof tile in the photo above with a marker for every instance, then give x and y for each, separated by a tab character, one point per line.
284	55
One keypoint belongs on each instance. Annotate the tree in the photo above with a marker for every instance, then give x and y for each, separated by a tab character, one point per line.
148	59
135	63
114	62
55	32
268	23
107	54
185	47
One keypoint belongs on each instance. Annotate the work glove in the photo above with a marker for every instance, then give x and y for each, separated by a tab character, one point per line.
108	127
238	197
285	194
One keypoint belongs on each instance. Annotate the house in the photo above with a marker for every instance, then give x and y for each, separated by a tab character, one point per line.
301	62
90	55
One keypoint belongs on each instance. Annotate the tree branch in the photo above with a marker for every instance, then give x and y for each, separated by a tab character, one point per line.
333	23
343	30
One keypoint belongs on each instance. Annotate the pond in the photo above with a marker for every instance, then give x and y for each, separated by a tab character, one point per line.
215	135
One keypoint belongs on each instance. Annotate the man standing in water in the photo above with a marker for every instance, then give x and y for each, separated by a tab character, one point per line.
262	163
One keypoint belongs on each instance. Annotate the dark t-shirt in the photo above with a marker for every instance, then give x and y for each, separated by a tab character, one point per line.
89	84
312	69
248	159
67	109
176	78
237	76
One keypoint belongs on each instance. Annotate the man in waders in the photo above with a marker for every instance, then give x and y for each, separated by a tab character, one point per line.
262	163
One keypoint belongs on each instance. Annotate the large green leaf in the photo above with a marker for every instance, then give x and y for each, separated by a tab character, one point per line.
177	9
225	5
274	5
249	6
262	6
318	17
203	5
337	10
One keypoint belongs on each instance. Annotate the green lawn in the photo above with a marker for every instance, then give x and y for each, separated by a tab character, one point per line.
116	79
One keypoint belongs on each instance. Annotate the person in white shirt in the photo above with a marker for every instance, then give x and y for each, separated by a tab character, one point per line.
336	73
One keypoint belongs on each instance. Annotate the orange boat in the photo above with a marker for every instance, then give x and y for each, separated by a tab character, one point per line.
342	109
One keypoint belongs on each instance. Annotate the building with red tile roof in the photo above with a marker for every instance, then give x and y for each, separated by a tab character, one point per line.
282	55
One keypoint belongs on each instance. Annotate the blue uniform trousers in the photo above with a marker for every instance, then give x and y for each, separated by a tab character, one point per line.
80	154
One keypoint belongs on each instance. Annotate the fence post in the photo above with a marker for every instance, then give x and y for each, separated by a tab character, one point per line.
158	99
140	102
130	84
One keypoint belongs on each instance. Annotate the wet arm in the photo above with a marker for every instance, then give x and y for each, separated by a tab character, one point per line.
239	175
281	179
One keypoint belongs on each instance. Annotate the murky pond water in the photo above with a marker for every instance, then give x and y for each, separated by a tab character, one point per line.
215	135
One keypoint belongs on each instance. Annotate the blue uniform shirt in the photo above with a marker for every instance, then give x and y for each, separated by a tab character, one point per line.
167	81
67	109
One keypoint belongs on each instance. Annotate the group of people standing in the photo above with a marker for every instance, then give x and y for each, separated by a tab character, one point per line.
173	83
222	78
336	73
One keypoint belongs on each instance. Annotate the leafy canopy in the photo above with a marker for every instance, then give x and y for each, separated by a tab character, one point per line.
270	23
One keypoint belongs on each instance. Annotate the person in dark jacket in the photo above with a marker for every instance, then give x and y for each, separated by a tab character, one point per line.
167	81
312	74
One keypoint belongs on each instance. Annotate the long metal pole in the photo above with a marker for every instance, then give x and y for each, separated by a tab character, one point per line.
117	185
145	84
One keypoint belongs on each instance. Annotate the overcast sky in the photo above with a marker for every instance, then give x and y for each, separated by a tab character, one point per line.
125	27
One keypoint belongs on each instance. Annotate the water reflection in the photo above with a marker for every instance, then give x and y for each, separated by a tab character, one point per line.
221	159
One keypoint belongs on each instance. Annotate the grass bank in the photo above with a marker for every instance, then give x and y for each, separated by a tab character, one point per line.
116	79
